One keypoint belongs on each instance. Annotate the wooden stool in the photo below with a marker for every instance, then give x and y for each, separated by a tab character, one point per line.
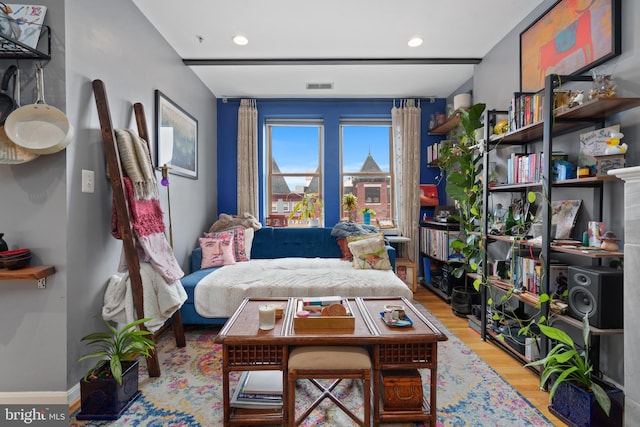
334	362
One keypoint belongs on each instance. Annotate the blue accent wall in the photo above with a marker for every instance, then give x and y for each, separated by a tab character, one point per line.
331	111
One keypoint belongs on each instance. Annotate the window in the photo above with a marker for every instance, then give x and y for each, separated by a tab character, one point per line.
295	169
366	166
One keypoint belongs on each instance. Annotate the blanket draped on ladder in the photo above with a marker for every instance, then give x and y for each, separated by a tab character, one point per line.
147	222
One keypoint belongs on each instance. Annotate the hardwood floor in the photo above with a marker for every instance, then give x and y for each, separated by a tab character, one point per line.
512	370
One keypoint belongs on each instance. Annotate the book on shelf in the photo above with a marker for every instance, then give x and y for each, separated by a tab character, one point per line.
524	168
526	108
258	390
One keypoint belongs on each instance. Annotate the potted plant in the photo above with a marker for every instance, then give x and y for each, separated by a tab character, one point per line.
111	385
461	163
576	394
308	208
367	213
350	204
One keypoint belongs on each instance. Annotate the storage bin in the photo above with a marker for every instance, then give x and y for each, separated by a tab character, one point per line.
402	389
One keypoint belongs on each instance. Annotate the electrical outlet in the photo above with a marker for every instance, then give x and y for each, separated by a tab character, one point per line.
88	181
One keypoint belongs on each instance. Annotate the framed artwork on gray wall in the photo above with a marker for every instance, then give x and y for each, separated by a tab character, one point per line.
571	37
176	137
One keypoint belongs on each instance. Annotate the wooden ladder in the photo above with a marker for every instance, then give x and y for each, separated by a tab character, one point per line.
114	167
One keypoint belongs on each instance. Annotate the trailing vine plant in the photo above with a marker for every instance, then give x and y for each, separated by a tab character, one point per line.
461	163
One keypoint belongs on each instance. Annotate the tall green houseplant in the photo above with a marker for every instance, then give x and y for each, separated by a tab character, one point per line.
461	162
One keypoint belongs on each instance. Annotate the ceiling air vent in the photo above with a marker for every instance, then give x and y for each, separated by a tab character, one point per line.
319	85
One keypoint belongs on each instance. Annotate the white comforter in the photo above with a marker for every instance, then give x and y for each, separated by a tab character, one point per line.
220	293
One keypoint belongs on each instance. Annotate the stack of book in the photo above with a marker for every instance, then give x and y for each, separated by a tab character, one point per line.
258	390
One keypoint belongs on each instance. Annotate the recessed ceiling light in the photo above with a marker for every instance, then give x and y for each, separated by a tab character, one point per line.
415	41
240	40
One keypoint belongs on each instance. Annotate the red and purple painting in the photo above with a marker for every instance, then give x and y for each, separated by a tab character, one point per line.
569	38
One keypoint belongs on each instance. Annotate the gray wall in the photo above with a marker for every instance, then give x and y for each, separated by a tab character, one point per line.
497	77
34	215
44	209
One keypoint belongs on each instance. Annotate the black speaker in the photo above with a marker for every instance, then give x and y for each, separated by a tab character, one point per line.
598	292
449	281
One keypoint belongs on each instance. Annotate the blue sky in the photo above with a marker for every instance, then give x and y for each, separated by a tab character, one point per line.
295	148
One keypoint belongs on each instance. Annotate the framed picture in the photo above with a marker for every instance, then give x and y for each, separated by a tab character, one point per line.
563	217
428	195
406	271
385	223
176	138
569	38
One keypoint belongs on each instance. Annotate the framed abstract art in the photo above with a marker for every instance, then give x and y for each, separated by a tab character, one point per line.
571	37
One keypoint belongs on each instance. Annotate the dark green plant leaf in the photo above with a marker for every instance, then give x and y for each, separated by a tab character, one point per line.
557	334
602	397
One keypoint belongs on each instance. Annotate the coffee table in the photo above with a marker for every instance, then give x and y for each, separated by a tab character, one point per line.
246	348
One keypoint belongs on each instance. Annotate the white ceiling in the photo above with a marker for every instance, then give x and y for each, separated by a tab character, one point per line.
367	39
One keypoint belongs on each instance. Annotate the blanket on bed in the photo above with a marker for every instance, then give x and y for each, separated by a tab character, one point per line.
220	293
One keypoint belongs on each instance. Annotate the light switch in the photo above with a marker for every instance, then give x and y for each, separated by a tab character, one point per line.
88	181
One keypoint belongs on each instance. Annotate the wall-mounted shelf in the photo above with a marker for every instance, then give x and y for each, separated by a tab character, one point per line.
39	273
13	49
444	128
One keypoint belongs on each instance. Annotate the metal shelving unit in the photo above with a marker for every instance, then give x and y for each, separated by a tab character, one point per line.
592	113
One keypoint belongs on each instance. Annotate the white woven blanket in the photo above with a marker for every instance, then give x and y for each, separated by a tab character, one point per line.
220	293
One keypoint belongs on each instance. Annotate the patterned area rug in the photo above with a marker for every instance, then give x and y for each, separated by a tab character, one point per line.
189	391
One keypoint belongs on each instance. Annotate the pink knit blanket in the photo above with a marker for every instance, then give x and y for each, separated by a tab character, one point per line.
146	214
148	226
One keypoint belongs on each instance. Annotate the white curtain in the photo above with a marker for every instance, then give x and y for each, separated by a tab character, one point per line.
405	121
248	157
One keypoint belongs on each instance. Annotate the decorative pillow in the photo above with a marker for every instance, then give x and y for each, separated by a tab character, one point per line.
238	236
248	241
346	252
370	253
217	252
343	243
363	236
